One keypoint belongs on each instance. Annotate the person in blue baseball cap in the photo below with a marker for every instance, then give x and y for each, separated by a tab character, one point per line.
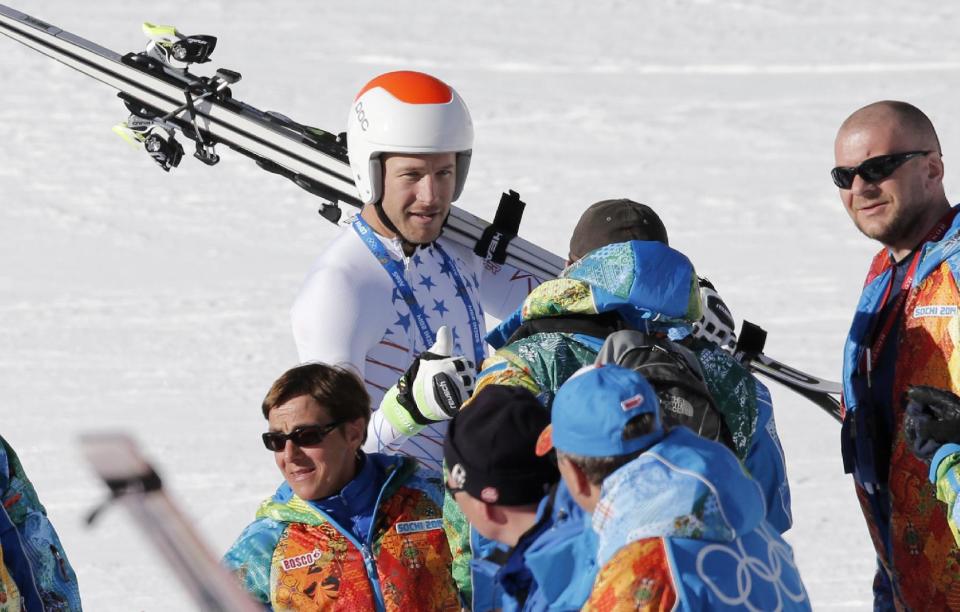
592	441
679	524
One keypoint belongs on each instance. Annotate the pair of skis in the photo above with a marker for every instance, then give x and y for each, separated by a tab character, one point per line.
164	98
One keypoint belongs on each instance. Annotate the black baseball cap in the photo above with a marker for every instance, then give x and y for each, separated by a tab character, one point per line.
612	221
490	448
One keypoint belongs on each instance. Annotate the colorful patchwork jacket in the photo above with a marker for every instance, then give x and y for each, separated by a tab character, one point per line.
34	571
681	528
644	283
295	557
919	558
649	285
636	281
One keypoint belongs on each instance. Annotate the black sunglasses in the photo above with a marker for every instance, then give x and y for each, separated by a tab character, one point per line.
872	170
304	435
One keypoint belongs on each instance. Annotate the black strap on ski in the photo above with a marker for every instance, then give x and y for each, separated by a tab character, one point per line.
750	341
492	245
749	351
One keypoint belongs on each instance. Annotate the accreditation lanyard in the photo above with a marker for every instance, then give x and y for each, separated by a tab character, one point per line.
873	352
394	270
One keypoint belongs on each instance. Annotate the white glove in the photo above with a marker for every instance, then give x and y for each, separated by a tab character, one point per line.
432	389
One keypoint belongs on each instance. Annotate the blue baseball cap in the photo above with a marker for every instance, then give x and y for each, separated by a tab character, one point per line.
592	408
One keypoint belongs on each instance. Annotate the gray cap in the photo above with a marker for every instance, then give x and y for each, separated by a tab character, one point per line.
612	221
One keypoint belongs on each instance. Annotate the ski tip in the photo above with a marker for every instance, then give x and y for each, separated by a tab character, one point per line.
124	132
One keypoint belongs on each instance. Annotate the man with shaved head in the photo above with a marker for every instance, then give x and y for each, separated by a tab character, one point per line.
889	170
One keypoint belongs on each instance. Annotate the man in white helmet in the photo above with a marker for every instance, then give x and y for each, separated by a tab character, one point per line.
391	287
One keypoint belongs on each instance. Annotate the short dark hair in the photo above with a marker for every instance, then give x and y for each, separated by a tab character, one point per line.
596	469
336	388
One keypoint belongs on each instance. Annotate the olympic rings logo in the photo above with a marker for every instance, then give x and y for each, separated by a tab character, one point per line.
750	568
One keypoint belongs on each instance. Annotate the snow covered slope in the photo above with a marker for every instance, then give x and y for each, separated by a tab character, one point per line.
158	304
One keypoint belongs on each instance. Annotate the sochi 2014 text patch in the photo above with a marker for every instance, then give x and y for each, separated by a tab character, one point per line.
935	310
417	526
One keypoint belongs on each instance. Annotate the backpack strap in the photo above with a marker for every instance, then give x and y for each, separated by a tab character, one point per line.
598	326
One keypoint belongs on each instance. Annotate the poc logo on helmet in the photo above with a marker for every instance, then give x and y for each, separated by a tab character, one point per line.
361	116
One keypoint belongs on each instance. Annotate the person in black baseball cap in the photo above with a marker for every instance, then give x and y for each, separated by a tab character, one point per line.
490	453
501	485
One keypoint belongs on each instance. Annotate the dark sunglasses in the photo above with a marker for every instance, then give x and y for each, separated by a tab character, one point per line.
872	170
304	435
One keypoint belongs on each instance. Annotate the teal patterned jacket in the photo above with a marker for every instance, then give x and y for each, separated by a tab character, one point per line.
652	287
35	569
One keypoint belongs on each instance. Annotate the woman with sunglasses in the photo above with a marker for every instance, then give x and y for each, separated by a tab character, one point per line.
346	530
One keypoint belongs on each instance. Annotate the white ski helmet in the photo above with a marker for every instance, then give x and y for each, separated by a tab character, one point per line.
406	112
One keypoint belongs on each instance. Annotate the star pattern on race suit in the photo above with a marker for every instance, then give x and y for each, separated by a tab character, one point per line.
442	279
457	347
438	285
403	321
445	268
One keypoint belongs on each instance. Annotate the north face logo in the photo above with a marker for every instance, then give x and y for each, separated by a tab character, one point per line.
676	405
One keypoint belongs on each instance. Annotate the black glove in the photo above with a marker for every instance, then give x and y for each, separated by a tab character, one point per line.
932	419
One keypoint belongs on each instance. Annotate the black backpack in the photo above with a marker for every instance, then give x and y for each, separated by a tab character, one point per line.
674	373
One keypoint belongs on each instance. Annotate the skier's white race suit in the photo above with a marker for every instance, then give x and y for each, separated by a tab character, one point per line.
350	310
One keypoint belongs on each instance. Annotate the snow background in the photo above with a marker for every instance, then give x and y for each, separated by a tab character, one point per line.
159	304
